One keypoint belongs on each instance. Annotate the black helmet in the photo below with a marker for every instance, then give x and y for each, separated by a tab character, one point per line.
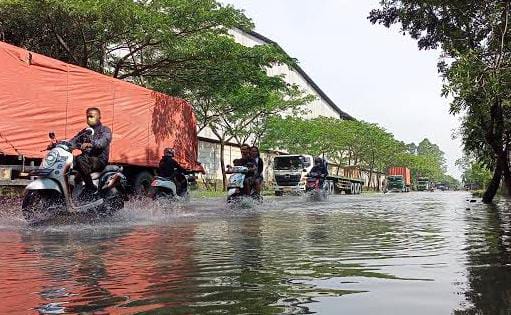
318	160
169	152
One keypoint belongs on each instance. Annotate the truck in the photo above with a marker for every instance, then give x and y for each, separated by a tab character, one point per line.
39	94
399	179
290	172
423	184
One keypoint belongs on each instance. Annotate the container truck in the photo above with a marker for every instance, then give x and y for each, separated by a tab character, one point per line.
39	94
399	179
423	184
290	173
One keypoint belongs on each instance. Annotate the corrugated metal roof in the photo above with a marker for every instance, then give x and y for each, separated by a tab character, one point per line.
342	114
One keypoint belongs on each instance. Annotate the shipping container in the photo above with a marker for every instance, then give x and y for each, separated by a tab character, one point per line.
39	94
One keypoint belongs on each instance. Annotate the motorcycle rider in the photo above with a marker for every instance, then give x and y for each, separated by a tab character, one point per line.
169	168
247	161
255	155
320	168
95	149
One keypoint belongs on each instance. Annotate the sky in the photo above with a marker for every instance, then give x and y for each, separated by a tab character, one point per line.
373	73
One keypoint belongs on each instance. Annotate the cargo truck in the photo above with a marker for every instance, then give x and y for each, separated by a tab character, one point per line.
423	184
290	173
399	179
40	94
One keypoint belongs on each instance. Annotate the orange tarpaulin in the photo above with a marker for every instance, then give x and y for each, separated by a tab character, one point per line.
39	94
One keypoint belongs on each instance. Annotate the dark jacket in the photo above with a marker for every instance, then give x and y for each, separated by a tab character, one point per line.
319	169
260	167
168	167
100	142
249	162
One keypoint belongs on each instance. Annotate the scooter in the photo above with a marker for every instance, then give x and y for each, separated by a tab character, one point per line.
165	188
52	192
313	187
235	185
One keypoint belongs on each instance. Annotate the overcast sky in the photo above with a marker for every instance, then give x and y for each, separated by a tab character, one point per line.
373	73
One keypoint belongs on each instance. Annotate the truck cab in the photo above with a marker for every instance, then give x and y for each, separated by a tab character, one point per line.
396	183
289	173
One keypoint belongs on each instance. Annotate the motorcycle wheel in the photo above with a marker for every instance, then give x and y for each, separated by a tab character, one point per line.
41	205
162	194
114	201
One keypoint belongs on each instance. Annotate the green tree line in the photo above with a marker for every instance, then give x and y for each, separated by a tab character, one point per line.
350	142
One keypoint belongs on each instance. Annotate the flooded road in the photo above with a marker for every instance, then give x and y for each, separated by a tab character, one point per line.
420	253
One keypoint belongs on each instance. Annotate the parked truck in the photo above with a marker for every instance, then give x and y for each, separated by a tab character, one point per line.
40	94
290	173
423	184
399	179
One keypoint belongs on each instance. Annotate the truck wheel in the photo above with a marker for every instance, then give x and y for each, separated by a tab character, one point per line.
142	183
351	191
279	193
359	188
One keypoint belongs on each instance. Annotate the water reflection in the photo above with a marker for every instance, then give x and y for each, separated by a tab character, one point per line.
393	254
489	260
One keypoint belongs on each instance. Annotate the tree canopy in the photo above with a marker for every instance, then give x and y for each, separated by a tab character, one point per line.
349	142
474	37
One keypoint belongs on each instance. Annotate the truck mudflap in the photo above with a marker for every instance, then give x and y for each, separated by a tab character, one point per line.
44	184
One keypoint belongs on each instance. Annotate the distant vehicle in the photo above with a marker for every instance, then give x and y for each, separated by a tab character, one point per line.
290	174
423	184
316	187
399	179
442	187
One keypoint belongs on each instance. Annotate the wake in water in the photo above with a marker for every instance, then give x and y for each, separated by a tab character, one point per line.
137	212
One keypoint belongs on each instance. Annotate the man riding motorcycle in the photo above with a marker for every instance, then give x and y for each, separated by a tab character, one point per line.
169	168
95	151
320	168
247	161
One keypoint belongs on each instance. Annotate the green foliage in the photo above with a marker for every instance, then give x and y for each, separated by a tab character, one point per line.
347	142
476	43
474	172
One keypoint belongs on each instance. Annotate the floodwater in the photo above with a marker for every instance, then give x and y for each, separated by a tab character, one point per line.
414	253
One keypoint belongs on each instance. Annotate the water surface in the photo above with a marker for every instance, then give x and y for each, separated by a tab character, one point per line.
420	253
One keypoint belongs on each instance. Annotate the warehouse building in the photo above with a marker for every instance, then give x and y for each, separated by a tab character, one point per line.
209	147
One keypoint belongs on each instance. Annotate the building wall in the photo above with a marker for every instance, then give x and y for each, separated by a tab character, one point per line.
209	152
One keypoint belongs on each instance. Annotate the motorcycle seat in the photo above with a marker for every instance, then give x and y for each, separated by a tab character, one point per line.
108	168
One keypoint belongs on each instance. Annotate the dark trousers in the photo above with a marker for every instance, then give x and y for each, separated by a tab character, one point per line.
86	165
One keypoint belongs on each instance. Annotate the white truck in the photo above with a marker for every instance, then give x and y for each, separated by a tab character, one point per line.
290	173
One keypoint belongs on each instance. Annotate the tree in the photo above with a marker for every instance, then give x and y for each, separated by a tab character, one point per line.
474	37
133	40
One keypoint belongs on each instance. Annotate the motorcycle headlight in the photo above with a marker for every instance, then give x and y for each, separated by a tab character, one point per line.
51	158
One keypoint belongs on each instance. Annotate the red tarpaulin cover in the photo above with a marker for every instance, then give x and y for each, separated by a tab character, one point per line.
39	94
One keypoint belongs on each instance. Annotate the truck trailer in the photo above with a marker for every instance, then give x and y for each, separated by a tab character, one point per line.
399	179
39	94
290	173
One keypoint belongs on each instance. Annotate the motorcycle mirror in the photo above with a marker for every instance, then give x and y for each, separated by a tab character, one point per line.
51	135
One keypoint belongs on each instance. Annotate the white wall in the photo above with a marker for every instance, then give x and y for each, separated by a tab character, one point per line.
209	153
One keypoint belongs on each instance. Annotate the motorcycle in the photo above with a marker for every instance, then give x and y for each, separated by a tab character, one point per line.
52	192
165	188
314	188
236	185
